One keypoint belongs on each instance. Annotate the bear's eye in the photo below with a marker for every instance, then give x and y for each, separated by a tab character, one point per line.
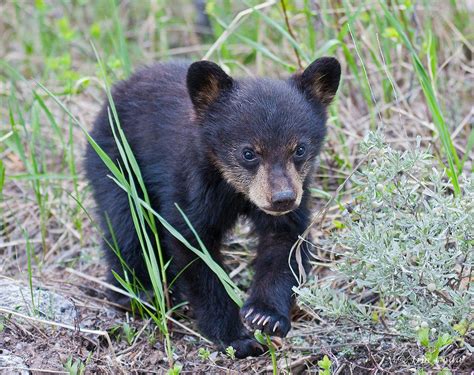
300	151
248	155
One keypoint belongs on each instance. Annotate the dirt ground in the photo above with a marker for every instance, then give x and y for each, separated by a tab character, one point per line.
46	349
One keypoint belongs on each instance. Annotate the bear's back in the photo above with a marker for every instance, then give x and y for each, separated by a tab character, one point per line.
154	102
155	113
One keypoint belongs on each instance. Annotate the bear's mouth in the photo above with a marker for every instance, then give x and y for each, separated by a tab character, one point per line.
275	212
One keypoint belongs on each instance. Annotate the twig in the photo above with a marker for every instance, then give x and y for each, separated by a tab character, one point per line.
373	359
444	298
290	31
319	217
31	369
19	242
339	370
461	272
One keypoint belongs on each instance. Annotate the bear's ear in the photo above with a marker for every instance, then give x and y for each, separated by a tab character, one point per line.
205	81
320	79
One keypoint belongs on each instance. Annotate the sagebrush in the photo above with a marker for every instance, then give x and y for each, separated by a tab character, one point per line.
403	258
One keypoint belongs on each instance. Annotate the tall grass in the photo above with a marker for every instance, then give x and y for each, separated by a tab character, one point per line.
427	84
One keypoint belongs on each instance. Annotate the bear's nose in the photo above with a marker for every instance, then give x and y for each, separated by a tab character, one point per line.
283	200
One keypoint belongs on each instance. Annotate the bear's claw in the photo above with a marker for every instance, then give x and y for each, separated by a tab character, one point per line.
266	319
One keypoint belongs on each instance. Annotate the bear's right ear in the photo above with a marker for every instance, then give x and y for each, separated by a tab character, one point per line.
205	81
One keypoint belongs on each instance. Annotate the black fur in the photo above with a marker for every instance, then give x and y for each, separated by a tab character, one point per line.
184	124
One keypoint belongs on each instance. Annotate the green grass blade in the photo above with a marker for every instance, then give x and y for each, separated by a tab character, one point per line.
433	105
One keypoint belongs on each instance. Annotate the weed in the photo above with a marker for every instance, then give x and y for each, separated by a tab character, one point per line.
433	348
230	351
203	354
175	370
128	332
265	339
325	366
75	367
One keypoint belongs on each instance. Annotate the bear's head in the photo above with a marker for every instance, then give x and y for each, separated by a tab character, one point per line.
264	135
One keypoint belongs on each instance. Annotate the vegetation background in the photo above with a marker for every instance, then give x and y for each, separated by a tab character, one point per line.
398	161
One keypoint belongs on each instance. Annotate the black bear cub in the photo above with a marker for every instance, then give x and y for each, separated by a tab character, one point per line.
220	148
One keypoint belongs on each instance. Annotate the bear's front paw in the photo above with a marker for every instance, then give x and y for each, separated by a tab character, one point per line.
265	318
247	347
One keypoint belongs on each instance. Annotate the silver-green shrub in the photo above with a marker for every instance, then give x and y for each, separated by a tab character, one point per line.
407	241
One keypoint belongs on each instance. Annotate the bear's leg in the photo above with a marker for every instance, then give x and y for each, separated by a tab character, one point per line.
217	315
271	298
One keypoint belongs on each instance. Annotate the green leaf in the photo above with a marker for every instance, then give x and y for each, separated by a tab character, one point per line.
423	336
443	341
391	33
259	337
230	351
325	363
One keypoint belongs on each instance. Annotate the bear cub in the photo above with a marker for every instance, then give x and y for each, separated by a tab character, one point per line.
219	148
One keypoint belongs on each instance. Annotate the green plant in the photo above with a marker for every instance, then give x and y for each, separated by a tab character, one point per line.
152	339
128	332
124	331
30	255
454	165
230	351
404	239
175	370
74	367
203	354
265	339
2	179
325	366
433	348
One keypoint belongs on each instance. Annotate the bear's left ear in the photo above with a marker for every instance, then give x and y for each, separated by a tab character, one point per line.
206	81
320	79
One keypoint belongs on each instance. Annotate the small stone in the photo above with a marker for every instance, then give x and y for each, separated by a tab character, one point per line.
49	305
424	324
13	362
431	287
213	356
